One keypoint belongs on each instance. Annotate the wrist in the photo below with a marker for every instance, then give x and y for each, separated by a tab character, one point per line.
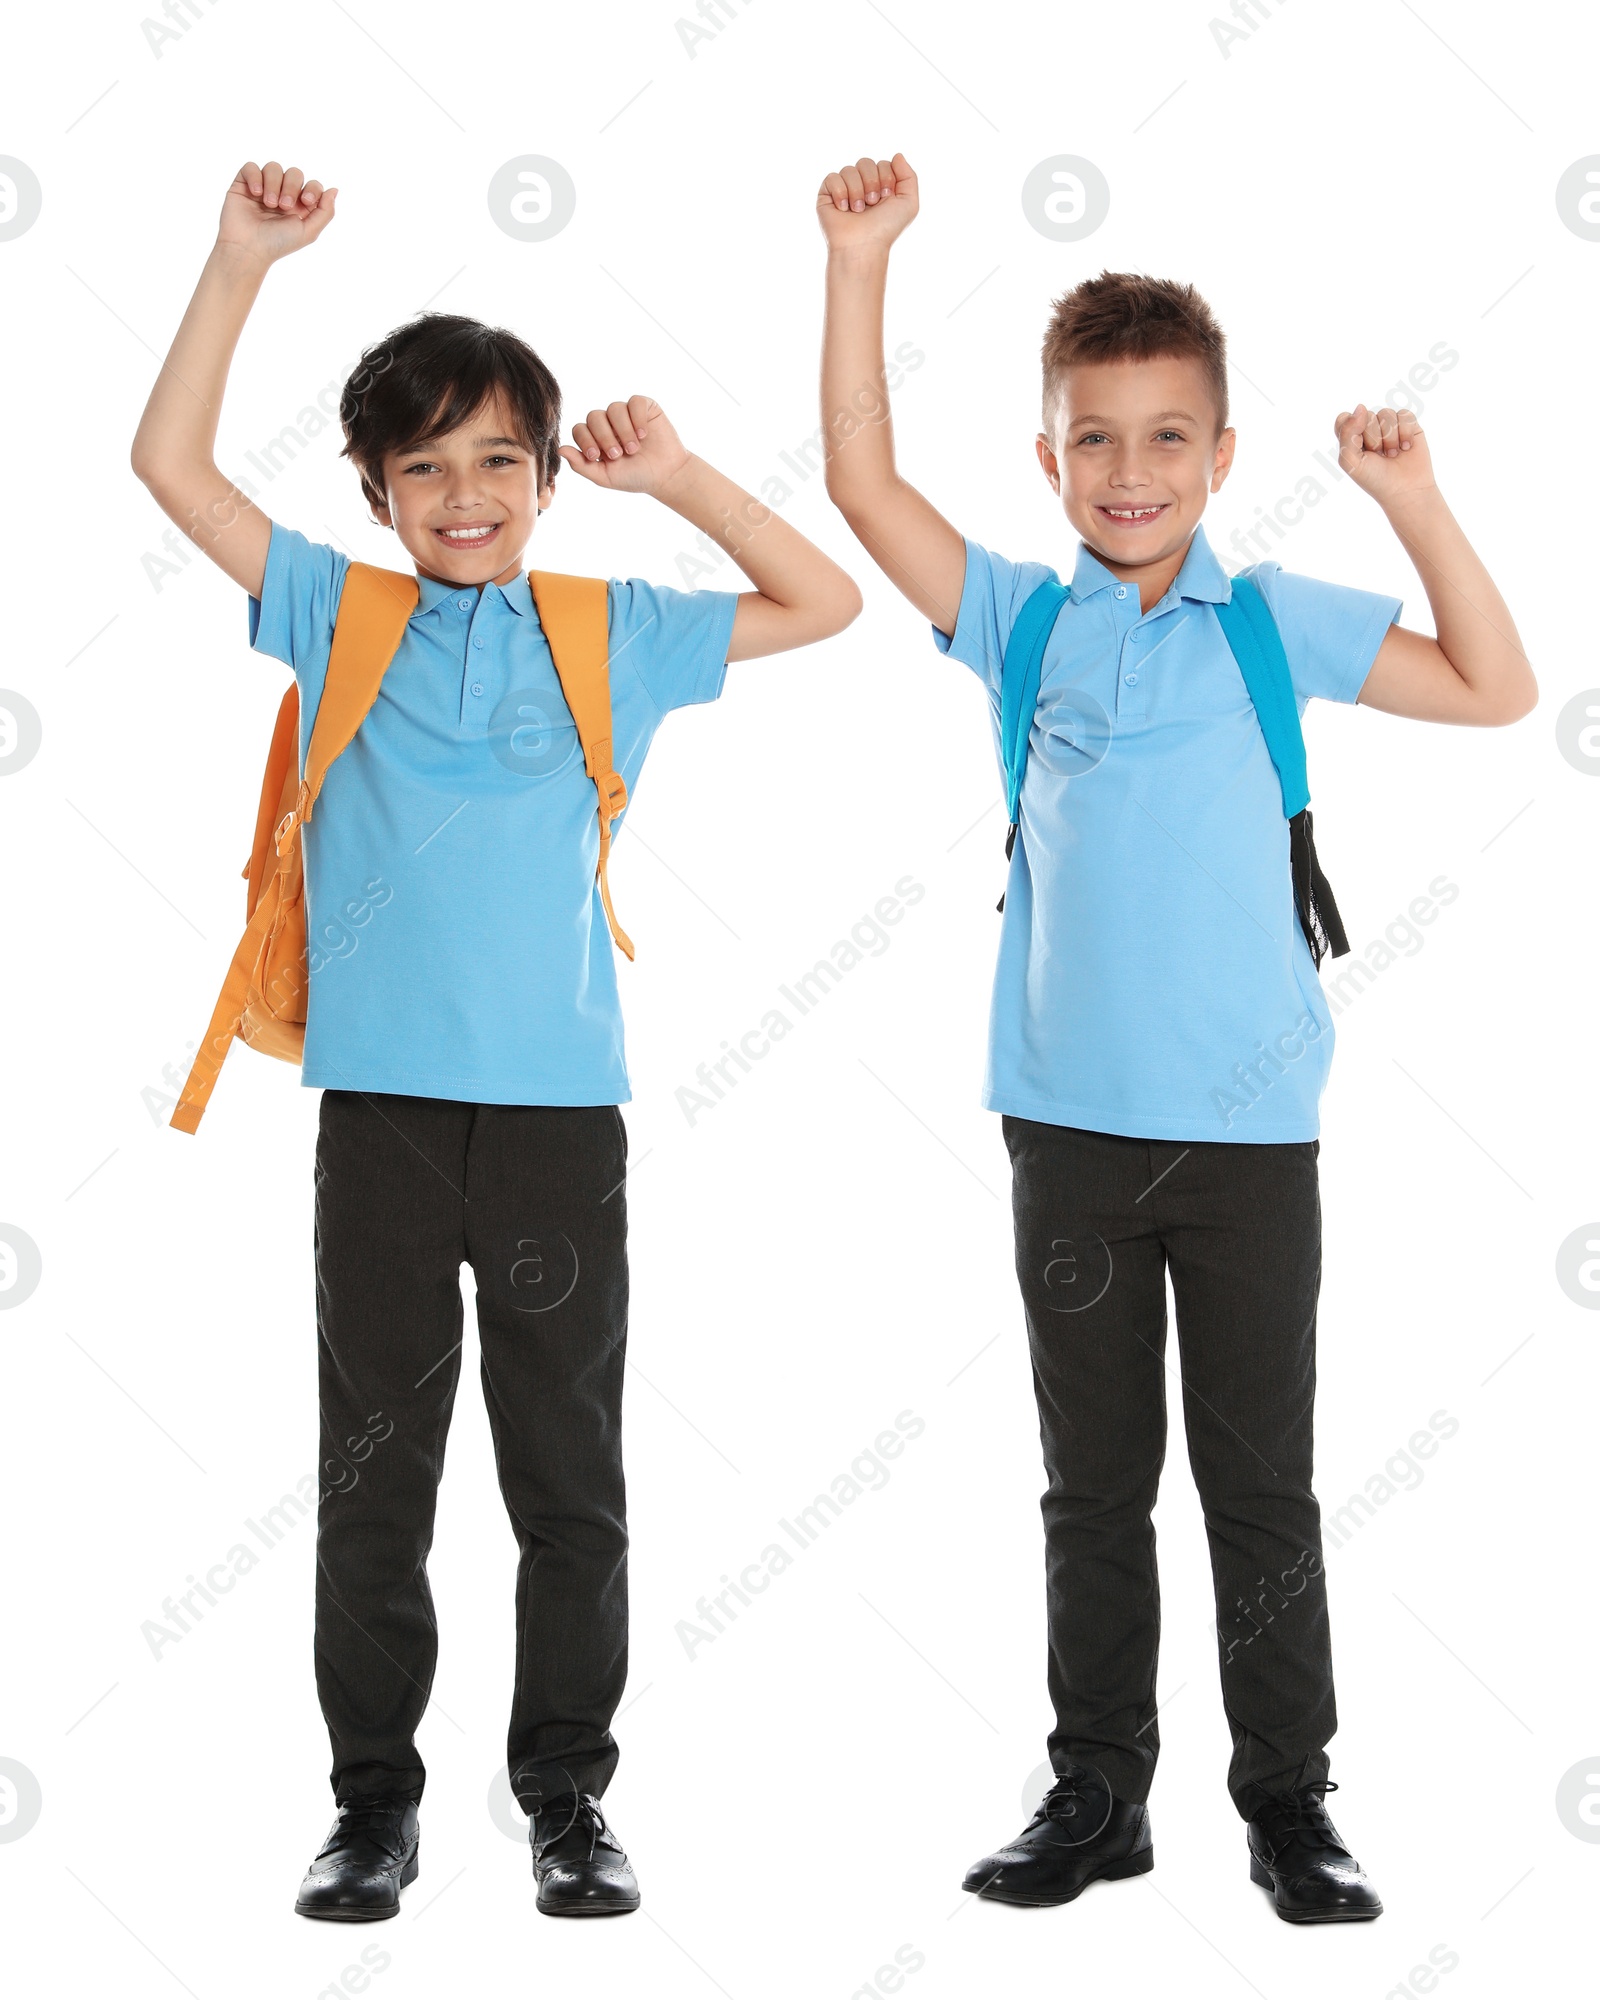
238	264
1417	509
861	261
677	490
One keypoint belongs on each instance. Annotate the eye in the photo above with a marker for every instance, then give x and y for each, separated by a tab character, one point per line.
499	458
422	465
1176	437
1094	437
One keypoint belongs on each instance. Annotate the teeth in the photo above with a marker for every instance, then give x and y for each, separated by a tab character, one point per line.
468	534
1133	513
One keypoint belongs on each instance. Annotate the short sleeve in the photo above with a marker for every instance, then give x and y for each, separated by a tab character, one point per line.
293	618
1331	633
676	641
993	591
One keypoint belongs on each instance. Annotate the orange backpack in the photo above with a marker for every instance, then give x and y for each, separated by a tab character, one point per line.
263	997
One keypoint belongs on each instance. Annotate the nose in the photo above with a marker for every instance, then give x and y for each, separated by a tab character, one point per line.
464	493
1129	469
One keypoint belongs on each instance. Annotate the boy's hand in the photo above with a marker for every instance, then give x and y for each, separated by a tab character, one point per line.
866	206
270	211
1384	452
629	447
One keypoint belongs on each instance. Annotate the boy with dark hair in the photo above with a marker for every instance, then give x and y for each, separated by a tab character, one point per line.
1159	1037
469	1042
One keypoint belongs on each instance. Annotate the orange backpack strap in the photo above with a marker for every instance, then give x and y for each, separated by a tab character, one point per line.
278	782
572	611
225	1019
373	609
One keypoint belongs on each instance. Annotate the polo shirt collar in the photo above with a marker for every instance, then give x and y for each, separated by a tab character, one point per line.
517	593
1202	577
431	594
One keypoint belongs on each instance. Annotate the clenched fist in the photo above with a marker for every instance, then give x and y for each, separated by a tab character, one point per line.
271	211
629	447
1384	452
866	206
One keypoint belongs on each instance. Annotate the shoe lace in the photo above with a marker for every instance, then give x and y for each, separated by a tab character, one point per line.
1065	1800
1298	1815
1074	1804
576	1809
375	1816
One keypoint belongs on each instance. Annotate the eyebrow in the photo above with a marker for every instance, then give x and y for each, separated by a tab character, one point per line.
478	444
1160	417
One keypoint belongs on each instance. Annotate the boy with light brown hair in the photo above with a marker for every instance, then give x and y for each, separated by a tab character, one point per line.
1159	1036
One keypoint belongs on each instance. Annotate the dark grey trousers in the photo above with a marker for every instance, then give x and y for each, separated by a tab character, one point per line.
1100	1222
532	1197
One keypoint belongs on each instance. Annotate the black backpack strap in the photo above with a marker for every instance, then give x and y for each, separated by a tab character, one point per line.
1313	898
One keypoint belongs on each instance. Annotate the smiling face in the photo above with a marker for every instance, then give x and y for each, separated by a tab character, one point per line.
464	504
1134	455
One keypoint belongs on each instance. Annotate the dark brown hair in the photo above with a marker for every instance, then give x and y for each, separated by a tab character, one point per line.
1124	316
429	376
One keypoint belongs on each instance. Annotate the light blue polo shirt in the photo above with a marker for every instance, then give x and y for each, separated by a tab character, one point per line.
1153	978
456	939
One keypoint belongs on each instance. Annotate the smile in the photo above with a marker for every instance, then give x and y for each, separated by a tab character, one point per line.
469	538
1135	517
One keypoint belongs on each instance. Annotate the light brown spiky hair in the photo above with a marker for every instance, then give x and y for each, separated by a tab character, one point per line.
1124	316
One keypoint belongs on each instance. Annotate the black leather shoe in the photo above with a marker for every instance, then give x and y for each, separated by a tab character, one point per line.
1296	1853
1079	1834
367	1859
578	1861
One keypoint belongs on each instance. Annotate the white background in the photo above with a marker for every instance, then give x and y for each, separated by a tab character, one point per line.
830	1246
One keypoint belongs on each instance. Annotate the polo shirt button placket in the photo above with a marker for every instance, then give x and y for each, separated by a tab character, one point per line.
1128	702
467	604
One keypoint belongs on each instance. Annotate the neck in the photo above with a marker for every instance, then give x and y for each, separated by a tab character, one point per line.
1153	578
511	570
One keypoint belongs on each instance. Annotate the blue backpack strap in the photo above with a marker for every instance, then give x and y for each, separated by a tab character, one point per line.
1019	682
1252	635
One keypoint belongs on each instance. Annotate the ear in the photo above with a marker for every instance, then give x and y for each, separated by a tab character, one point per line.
1049	462
380	512
545	495
1222	464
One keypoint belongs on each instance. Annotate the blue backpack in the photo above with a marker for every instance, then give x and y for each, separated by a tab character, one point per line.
1253	638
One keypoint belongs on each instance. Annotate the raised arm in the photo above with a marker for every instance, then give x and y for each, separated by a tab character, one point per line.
862	210
267	213
800	594
1475	671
